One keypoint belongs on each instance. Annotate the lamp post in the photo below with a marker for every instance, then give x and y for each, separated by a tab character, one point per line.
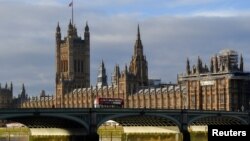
242	108
249	106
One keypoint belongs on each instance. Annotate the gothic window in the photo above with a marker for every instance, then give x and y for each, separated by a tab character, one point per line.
208	99
235	84
81	66
193	99
78	66
75	68
221	98
213	99
66	65
61	67
203	99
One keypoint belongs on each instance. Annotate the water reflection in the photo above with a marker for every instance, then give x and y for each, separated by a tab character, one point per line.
14	137
105	134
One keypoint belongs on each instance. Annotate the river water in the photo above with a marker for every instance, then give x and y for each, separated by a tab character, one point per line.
129	137
14	137
109	135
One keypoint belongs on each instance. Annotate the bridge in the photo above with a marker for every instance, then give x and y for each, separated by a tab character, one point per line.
90	119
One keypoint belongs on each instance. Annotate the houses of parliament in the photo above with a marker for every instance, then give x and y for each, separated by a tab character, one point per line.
223	85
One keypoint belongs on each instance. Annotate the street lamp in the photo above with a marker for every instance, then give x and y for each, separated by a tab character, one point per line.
242	108
249	106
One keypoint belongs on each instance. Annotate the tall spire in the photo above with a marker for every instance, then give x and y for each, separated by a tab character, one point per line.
138	49
102	77
23	92
138	65
138	33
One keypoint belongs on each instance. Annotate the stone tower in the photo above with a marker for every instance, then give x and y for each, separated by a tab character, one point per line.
72	61
6	96
139	65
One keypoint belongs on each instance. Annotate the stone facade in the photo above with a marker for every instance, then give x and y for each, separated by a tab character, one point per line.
224	85
131	84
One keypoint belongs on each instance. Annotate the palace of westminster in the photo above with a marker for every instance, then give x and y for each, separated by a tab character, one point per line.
223	85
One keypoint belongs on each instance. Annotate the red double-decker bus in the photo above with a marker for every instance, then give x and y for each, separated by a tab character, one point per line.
108	102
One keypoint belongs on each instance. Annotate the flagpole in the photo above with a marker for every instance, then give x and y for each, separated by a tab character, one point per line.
72	13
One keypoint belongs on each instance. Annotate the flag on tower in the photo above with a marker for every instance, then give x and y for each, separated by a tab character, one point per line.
72	11
70	4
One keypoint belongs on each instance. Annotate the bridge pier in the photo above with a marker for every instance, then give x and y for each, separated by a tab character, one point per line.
92	134
92	137
184	125
185	133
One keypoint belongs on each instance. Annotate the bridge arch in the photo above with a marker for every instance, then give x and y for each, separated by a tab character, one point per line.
152	115
111	117
55	116
71	118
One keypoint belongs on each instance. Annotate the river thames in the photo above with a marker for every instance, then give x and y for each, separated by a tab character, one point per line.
106	133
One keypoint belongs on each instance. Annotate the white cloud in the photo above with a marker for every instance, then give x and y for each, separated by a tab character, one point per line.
221	13
190	2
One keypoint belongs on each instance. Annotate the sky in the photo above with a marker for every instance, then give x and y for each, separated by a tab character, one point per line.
171	32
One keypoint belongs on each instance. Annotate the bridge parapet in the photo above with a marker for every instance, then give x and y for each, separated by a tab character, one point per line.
92	118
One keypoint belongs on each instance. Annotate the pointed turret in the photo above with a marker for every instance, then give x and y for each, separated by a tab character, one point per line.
126	69
6	85
216	64
23	92
116	75
70	29
241	63
86	33
228	64
58	29
211	65
188	67
11	87
102	77
199	65
74	31
58	45
87	27
206	68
